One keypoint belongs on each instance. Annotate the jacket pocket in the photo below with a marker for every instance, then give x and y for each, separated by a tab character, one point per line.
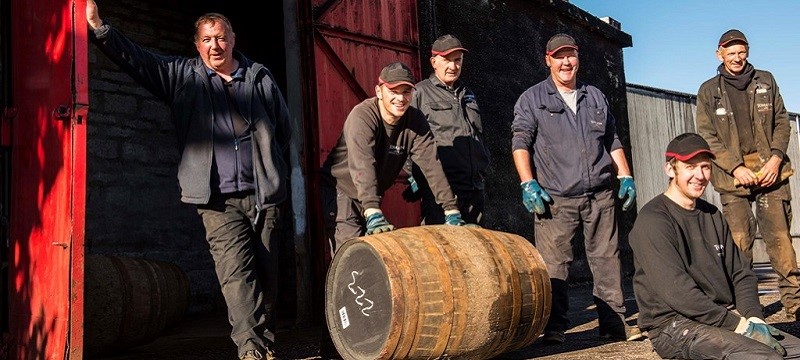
439	106
763	98
598	121
474	115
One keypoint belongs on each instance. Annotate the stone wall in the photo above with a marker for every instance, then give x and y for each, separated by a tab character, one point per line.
506	41
133	205
133	199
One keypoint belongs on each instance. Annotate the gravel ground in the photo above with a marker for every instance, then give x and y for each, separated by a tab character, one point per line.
208	337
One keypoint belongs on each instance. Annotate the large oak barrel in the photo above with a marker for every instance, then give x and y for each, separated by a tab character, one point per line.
436	291
130	302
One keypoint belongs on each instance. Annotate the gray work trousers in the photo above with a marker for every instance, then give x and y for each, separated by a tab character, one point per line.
554	231
344	219
246	263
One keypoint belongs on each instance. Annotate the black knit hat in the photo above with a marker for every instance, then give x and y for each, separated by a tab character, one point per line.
732	35
558	42
686	146
446	44
396	74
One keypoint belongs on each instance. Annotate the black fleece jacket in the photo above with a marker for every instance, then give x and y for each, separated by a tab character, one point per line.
183	84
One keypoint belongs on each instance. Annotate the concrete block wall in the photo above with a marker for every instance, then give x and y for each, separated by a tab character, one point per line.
133	205
133	199
506	41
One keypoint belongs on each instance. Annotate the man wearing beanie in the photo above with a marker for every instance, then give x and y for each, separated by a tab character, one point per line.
577	159
740	113
378	136
452	112
696	292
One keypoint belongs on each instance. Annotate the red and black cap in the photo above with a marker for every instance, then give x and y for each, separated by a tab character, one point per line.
396	74
446	44
560	41
730	36
686	146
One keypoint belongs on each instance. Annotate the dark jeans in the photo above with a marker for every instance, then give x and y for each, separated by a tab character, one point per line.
682	338
774	217
470	203
554	231
246	263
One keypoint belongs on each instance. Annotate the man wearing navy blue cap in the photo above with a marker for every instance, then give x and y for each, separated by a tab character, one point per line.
696	292
740	112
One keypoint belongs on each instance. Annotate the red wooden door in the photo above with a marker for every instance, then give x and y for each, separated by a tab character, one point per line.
49	92
353	41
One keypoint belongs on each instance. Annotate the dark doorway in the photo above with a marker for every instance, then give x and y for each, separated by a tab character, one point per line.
7	112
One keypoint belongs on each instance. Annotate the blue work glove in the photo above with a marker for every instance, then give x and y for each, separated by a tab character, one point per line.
453	217
534	197
412	183
626	187
411	193
376	223
765	334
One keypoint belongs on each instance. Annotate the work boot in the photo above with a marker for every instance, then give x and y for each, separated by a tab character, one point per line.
792	315
630	333
251	355
256	355
553	337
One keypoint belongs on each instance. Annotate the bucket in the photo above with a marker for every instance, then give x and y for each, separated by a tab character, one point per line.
436	291
130	302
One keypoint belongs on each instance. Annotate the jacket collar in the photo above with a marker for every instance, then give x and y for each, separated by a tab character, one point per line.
244	63
755	83
550	86
435	80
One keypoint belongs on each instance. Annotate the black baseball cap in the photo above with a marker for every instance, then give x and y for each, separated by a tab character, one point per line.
732	35
446	44
396	74
686	146
560	41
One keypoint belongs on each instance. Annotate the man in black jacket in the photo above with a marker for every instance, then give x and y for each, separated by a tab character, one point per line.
233	130
697	295
455	120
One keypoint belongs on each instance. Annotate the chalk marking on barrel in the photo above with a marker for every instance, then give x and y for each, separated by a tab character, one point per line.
359	297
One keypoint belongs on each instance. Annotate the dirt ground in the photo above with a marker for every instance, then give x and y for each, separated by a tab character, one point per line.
207	338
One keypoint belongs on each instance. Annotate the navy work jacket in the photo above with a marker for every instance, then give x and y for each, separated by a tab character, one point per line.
571	151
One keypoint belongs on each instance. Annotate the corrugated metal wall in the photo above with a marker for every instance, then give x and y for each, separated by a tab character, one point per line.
656	116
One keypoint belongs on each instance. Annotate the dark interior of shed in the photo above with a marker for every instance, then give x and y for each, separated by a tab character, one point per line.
259	35
259	32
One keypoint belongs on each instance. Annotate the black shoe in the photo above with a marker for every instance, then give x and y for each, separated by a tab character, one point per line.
630	333
553	337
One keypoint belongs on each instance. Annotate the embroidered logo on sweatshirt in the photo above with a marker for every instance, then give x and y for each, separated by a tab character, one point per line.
396	150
